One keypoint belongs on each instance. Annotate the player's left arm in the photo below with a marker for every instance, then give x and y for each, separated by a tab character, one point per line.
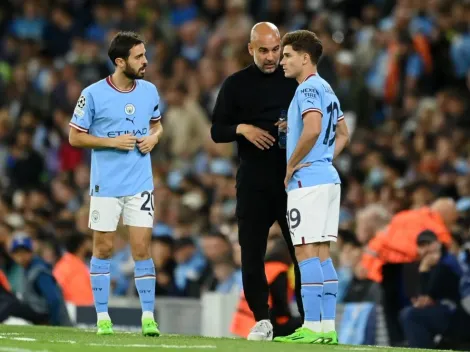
147	143
342	137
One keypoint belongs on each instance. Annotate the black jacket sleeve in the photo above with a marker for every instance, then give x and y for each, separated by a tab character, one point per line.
440	283
224	126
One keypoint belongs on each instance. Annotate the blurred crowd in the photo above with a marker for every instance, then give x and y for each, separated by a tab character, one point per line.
401	70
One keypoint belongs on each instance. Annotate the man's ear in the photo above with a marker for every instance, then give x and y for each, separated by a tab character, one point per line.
251	50
119	62
306	58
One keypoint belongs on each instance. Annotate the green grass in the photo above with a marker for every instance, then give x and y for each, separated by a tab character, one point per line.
51	339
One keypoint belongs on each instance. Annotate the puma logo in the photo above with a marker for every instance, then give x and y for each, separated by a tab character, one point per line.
131	120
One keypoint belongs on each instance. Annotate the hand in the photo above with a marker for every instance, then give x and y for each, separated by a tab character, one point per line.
290	171
429	261
422	302
281	125
259	137
124	142
146	144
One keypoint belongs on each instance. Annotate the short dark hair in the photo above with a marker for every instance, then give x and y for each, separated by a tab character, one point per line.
304	41
121	45
74	241
426	237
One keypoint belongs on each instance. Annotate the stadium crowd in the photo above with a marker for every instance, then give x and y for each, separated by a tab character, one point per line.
401	69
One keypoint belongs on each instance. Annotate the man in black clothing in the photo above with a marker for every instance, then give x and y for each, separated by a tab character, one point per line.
434	307
247	110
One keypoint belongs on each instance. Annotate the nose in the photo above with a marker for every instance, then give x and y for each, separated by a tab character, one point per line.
270	56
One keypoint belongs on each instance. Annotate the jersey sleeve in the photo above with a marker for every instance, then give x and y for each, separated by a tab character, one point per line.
340	113
84	112
309	98
156	114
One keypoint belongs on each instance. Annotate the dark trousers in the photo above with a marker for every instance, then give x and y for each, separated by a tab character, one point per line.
421	325
392	290
257	210
287	328
10	306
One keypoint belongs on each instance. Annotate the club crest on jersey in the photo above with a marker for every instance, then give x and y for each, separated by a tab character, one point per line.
129	109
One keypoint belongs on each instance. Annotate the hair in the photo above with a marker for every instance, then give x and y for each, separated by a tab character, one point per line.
74	242
379	215
121	45
306	42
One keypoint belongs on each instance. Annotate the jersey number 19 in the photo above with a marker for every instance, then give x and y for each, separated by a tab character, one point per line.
331	129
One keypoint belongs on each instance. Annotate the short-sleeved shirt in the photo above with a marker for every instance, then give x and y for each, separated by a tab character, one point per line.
314	94
103	110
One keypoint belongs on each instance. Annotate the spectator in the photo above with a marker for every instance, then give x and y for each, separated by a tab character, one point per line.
226	275
435	305
11	306
72	272
24	164
409	146
40	292
186	125
162	255
190	264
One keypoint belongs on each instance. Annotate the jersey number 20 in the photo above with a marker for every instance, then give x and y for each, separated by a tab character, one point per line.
331	129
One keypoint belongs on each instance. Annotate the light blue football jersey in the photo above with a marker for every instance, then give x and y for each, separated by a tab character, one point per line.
105	111
314	94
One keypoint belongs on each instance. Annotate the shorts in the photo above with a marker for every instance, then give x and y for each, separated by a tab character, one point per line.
313	213
137	210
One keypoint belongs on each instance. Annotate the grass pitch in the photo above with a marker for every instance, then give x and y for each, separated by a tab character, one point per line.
14	338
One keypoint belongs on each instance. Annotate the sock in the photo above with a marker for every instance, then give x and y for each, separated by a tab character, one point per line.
312	290
330	290
100	281
144	274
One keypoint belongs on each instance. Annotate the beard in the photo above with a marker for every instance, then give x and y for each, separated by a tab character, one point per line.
264	66
132	74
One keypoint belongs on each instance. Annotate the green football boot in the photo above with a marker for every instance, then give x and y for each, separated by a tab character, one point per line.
330	338
105	327
150	327
302	335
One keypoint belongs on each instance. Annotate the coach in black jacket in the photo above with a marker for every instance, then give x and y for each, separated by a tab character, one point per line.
248	107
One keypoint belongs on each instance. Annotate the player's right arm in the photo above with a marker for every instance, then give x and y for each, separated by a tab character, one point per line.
81	139
223	129
342	137
81	121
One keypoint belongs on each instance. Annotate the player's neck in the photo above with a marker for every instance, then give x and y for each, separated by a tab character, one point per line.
122	82
307	73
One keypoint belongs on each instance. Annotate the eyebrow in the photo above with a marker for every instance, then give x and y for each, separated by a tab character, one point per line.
264	48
